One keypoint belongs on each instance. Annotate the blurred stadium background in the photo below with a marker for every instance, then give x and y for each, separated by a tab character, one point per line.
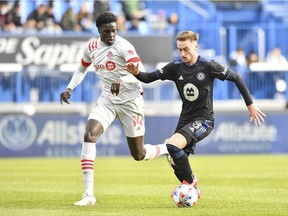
37	60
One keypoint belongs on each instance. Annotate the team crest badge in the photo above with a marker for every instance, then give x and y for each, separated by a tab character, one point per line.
200	76
109	54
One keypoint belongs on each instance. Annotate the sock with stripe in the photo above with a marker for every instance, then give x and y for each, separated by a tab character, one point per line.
88	155
182	168
154	151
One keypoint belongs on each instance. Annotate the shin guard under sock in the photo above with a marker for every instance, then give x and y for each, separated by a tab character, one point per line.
182	170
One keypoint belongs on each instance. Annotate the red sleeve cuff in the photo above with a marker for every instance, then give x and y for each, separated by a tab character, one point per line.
135	59
85	64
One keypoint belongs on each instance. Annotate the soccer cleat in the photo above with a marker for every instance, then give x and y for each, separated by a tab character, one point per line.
170	160
194	184
86	200
195	181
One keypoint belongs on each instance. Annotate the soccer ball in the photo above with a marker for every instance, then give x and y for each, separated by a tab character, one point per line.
185	196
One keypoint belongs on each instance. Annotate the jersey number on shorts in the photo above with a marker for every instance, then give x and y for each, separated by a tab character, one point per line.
137	121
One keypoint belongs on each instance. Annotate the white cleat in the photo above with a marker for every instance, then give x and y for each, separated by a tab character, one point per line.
86	201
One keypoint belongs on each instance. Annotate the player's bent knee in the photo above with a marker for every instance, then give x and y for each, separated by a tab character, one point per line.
138	157
170	141
89	137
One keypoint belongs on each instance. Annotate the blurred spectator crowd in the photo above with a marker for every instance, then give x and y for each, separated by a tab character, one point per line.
132	17
272	85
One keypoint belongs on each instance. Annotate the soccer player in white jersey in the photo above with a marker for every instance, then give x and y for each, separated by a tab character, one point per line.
121	98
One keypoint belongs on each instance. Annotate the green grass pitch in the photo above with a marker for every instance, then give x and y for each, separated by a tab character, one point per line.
230	185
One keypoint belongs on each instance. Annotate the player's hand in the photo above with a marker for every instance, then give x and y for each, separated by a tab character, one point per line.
115	87
256	114
65	95
132	68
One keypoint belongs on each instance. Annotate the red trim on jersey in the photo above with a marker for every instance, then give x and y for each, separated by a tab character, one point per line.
85	64
135	59
92	45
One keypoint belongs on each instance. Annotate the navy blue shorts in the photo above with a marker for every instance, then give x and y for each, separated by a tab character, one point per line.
194	132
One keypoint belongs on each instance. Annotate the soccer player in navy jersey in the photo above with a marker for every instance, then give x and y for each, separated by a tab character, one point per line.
194	77
108	54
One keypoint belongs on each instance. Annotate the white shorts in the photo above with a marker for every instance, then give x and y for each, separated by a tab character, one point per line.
130	115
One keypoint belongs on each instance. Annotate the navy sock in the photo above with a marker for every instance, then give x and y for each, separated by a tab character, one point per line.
182	169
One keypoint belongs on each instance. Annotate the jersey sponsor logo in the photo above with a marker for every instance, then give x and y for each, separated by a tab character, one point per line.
110	65
190	92
200	76
17	132
180	78
99	67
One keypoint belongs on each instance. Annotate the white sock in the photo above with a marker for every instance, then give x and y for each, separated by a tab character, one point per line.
88	155
154	151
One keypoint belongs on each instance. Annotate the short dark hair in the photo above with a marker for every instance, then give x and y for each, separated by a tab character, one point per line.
105	18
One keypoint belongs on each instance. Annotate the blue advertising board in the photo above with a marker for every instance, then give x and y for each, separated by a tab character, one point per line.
57	135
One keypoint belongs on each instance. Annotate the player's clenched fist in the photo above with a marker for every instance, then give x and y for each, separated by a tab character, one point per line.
115	87
65	95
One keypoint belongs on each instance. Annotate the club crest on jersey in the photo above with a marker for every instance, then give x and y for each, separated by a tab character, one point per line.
109	54
190	92
200	76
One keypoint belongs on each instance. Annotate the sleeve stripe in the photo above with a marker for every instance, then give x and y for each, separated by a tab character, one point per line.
135	59
157	71
229	72
92	45
85	64
89	46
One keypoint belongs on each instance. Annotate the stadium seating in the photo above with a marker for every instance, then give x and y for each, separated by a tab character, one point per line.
260	26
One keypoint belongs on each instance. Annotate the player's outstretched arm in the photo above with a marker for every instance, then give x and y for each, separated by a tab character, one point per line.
256	114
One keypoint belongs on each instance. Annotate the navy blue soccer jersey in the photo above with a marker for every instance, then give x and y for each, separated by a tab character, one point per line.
195	85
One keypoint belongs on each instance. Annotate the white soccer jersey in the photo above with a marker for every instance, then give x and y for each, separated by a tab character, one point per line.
108	62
